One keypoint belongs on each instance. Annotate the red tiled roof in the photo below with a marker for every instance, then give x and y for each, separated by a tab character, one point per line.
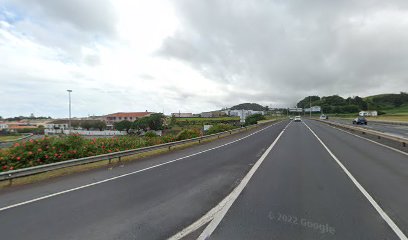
129	114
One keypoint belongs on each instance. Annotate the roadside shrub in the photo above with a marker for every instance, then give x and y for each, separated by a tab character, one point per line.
253	119
150	134
188	133
219	128
55	149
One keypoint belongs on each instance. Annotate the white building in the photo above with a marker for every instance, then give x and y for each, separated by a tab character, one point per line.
3	126
182	115
243	114
56	126
368	113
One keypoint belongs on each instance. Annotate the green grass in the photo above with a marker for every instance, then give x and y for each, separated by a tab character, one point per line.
9	138
402	110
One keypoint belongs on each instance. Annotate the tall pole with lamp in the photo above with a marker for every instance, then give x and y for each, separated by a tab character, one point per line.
69	120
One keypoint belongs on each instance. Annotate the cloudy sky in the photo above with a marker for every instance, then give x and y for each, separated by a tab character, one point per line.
195	56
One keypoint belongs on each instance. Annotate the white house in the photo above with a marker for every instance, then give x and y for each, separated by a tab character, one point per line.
182	115
368	113
56	126
3	126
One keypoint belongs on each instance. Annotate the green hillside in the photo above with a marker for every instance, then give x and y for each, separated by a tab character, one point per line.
249	106
394	104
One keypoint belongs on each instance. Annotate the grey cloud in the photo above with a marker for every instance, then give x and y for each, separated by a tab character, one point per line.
66	25
96	16
287	49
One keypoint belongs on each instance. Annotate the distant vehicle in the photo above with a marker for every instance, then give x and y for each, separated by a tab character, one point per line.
298	119
360	121
290	118
324	117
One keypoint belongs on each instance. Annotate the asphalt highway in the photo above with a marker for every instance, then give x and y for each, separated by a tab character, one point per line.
301	192
314	182
151	204
394	130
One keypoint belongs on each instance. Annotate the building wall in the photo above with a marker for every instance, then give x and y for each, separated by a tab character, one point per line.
56	126
182	115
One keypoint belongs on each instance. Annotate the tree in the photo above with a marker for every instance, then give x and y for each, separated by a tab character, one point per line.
124	125
101	125
155	121
305	102
253	119
248	106
141	124
85	125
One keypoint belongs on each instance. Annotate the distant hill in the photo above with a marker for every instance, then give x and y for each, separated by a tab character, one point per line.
337	104
249	106
386	101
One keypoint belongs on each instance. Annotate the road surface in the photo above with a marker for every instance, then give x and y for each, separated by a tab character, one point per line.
299	191
394	130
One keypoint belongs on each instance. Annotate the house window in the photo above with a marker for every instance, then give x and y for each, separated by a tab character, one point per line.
130	118
120	118
125	118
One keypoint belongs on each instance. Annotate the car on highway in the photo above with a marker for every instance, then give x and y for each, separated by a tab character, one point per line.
324	117
290	118
360	121
298	119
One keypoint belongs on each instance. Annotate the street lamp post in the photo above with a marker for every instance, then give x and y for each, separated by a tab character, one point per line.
69	121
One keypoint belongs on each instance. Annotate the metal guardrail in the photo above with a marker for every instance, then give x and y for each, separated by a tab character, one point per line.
9	175
379	135
389	122
18	139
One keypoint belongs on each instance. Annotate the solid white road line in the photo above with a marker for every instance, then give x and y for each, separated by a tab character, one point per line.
382	213
223	207
372	141
127	174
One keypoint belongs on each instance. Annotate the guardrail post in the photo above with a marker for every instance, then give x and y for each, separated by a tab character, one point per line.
169	147
120	158
379	137
109	160
10	180
404	144
230	132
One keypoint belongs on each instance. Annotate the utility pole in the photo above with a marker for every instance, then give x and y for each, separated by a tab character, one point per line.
310	107
69	121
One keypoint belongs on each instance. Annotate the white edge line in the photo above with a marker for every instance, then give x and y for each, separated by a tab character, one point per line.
225	205
127	174
383	145
382	213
